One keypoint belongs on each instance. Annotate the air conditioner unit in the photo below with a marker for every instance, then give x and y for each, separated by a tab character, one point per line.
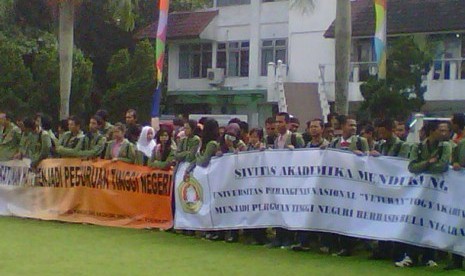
215	76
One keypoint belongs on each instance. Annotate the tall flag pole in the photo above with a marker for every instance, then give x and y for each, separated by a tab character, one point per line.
159	60
380	36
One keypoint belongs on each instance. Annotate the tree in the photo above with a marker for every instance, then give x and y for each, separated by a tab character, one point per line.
402	92
16	80
343	43
123	11
132	82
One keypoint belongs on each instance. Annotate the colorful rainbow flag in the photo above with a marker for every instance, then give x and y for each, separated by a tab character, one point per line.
160	54
380	37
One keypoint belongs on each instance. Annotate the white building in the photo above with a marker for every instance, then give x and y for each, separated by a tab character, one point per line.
219	58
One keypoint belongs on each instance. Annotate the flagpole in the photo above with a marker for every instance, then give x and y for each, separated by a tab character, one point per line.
380	40
159	61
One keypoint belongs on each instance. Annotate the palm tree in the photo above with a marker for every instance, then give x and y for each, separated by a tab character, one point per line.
123	11
343	43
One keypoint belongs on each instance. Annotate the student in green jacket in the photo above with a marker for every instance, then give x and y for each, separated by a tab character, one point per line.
35	143
106	128
390	144
433	155
458	163
349	140
94	142
120	149
163	154
71	142
10	136
189	145
209	148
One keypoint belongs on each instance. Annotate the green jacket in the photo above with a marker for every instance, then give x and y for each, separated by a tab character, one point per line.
203	158
356	143
69	145
10	138
35	146
156	160
188	147
93	145
459	153
393	147
422	152
127	152
297	143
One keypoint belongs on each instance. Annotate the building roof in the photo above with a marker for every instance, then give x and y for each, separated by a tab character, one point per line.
181	25
407	16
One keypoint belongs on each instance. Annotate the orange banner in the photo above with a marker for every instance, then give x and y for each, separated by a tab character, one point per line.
98	192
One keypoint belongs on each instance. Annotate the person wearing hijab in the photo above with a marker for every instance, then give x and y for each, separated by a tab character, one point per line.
163	154
145	145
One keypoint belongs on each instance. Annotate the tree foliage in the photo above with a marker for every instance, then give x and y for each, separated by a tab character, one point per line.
29	79
132	82
402	92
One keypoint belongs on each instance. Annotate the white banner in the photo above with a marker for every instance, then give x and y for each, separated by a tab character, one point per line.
325	190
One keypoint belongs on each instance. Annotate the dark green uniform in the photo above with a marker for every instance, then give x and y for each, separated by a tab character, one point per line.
35	146
393	147
10	137
421	153
93	145
126	153
188	147
70	145
355	143
156	160
459	153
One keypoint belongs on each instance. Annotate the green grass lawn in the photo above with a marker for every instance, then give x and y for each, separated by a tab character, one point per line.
31	247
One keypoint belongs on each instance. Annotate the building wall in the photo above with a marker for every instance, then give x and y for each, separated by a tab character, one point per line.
307	46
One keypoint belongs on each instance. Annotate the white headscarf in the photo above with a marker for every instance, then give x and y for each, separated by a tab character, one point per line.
146	146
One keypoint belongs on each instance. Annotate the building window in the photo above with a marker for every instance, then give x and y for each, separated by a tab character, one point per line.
234	58
194	60
224	3
272	51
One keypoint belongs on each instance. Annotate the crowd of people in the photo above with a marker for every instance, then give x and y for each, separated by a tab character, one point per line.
196	142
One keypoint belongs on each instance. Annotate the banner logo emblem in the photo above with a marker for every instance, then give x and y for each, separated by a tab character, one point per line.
191	195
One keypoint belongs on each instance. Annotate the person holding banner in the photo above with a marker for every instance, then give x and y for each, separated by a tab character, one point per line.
145	145
120	149
390	144
71	143
343	245
256	139
163	153
349	140
189	145
316	128
209	148
271	133
94	142
458	161
285	140
35	143
231	143
10	137
431	156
